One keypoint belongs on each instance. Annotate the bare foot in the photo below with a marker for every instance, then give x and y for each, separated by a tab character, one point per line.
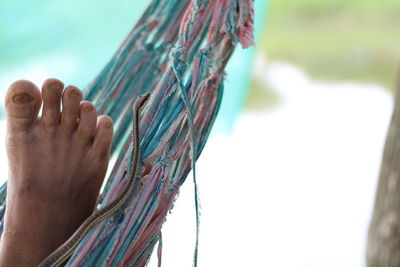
57	164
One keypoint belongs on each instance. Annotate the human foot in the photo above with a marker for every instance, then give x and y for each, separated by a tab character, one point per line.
57	164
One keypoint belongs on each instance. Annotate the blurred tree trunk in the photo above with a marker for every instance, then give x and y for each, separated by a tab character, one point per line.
383	249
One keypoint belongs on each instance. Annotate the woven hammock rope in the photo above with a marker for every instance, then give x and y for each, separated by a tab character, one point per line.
177	52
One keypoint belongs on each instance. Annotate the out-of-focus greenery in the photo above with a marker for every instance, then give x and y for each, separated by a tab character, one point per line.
260	97
355	40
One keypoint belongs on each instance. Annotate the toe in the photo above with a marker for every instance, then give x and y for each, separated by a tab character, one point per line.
87	120
103	137
22	104
51	94
71	99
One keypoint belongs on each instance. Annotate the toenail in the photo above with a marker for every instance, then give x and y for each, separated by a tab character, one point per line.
88	108
108	124
56	85
74	92
23	98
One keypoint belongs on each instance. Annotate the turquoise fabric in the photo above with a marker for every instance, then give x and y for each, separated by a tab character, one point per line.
73	39
238	76
183	70
178	52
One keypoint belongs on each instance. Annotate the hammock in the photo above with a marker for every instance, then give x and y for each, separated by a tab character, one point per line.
177	52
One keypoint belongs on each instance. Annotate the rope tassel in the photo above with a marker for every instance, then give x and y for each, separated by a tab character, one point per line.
175	56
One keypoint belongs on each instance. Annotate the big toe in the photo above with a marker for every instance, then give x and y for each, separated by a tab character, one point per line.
22	104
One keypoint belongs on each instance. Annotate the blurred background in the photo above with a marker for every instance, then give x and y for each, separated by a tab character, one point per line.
288	177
